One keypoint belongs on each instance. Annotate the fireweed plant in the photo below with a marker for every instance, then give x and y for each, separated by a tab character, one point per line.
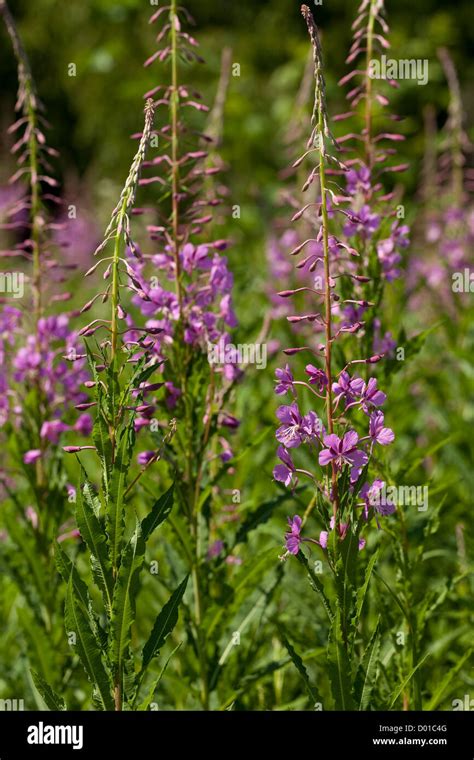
39	386
186	296
122	363
348	443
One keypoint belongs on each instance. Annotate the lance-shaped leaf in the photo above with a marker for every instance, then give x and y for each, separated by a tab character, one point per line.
159	512
395	695
87	647
93	534
164	624
299	665
339	666
368	671
53	701
124	599
362	591
144	705
67	570
115	509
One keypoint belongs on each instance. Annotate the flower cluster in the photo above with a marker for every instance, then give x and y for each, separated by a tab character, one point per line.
39	350
47	360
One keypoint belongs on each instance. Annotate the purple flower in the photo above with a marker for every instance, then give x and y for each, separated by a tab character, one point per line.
226	454
343	451
145	456
215	549
387	252
383	344
293	537
284	472
316	377
347	388
374	496
195	257
378	433
291	433
358	180
52	430
285	380
172	395
83	425
228	420
371	396
365	223
31	456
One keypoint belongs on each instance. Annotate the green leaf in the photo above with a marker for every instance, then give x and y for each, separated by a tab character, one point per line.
87	647
93	534
159	512
146	702
124	598
339	666
362	592
67	570
164	624
298	663
436	698
53	701
406	681
115	511
369	670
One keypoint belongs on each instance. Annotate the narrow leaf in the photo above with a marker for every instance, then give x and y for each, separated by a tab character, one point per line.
164	624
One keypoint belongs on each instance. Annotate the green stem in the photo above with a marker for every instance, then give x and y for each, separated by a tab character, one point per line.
327	304
174	109
369	157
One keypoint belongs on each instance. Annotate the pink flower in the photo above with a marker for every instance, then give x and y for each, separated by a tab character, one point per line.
31	456
83	425
32	516
343	451
52	430
293	537
371	396
378	433
284	472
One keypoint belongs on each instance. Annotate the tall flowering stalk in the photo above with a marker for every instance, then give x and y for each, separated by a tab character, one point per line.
188	300
377	230
38	387
348	442
374	215
36	356
121	367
